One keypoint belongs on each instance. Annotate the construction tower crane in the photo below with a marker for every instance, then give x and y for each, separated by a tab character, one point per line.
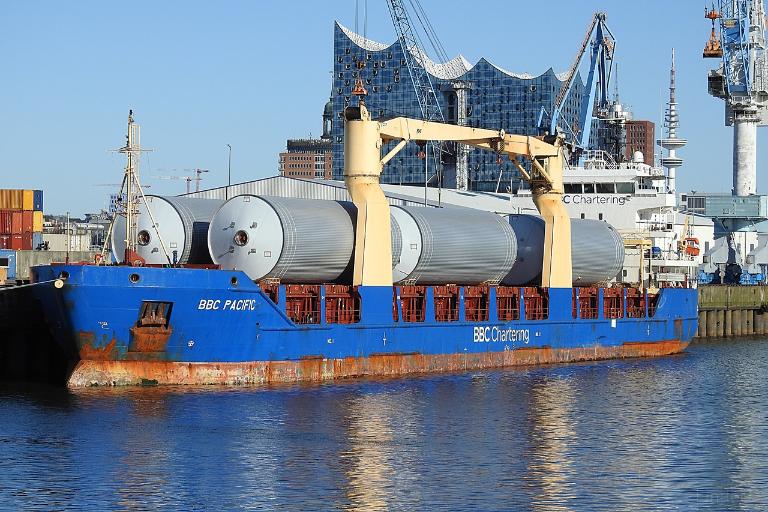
189	179
596	88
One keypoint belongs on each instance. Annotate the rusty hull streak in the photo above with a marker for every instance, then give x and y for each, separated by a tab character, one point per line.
149	339
88	351
93	372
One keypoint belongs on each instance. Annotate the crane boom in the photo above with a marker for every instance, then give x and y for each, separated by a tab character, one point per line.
599	74
363	165
422	83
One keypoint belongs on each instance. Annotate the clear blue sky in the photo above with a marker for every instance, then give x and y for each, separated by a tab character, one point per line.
201	74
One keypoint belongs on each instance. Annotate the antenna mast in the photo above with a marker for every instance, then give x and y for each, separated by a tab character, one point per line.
133	193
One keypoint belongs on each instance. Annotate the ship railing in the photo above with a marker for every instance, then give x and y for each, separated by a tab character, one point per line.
342	304
446	300
413	301
635	303
508	303
585	302
302	303
613	302
476	303
536	302
653	303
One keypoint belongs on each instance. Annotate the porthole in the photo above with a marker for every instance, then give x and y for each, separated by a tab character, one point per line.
241	238
233	281
134	278
143	237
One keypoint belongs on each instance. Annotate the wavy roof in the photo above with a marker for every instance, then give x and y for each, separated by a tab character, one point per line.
452	69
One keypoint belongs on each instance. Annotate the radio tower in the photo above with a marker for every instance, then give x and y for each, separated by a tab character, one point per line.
672	142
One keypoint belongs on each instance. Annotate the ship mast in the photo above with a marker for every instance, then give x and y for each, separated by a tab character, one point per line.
132	147
133	193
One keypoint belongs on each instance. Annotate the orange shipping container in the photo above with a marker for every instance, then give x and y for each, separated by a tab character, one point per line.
27	221
17	242
37	221
28	200
16	223
11	199
5	223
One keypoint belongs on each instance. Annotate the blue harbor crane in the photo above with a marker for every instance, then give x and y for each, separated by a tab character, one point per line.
596	102
741	80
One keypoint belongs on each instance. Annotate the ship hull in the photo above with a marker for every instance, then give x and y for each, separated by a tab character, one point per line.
224	329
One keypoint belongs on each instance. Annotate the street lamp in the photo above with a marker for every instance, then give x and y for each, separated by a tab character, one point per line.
229	172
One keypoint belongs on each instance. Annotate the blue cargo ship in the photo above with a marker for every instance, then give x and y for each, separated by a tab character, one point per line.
136	323
128	325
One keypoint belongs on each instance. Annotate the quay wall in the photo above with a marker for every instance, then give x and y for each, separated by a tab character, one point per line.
726	311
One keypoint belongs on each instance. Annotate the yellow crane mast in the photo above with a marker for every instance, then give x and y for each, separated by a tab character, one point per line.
363	163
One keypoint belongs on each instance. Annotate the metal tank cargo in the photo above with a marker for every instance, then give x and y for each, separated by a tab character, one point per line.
457	245
309	240
597	250
179	234
293	240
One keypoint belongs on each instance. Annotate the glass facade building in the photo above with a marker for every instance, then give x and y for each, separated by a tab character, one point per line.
483	96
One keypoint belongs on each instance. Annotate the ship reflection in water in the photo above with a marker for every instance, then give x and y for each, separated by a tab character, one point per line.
685	432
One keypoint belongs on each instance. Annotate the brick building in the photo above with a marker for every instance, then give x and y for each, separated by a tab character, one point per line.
307	159
640	137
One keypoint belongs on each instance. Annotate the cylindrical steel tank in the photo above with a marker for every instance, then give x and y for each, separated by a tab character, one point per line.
452	245
293	240
181	224
597	250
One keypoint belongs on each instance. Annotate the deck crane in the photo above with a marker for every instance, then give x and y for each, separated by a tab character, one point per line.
596	89
416	62
364	139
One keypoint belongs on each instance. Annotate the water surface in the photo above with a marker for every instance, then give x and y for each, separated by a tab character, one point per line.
685	432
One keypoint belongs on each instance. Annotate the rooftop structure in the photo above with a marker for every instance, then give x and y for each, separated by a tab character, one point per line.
483	96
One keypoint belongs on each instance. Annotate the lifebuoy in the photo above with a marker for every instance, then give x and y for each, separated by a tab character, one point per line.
97	259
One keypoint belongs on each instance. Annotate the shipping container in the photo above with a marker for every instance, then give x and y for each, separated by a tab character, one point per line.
37	240
37	220
16	242
8	259
5	222
16	222
11	199
27	222
5	241
26	241
28	200
38	200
